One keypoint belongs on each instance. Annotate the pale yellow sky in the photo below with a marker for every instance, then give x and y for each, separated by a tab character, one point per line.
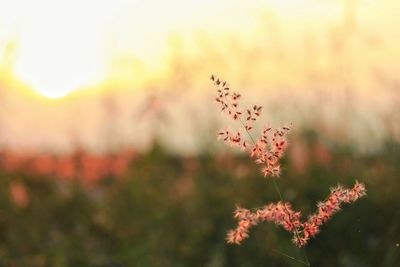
62	46
65	45
306	49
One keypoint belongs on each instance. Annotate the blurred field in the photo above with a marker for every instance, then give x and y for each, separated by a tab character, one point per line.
175	211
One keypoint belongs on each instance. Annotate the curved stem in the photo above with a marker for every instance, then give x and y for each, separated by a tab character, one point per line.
307	262
290	257
290	220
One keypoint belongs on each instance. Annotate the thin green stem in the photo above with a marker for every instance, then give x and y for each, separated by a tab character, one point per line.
251	137
290	257
307	263
290	219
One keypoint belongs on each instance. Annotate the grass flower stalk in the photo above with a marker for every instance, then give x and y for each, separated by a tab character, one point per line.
267	149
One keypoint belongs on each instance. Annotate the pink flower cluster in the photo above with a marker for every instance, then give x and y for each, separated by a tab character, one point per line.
282	214
268	148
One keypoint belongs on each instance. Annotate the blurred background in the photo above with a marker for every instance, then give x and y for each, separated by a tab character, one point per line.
108	148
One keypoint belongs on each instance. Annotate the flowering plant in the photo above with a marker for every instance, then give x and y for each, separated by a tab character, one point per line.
267	150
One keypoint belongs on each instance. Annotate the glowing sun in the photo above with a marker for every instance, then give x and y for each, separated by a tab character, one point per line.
59	43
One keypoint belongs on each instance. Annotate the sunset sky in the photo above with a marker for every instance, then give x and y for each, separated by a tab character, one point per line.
114	49
62	46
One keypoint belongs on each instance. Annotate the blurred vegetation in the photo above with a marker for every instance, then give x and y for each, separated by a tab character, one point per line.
175	211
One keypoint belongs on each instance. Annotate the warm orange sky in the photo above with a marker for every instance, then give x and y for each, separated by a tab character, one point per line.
62	46
125	49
